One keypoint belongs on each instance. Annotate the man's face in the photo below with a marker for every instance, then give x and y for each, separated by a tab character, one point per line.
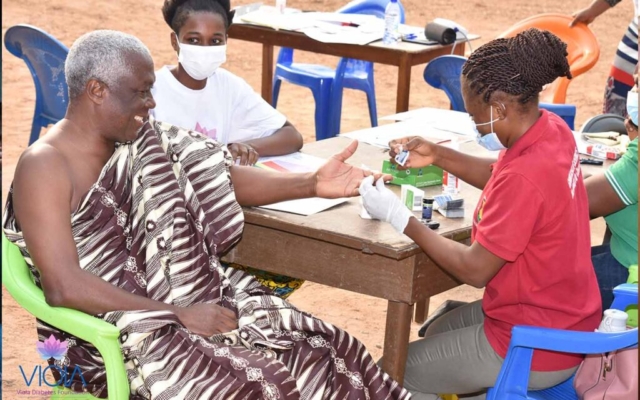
128	103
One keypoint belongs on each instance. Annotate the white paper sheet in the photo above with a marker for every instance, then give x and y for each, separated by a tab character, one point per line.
433	124
297	162
331	33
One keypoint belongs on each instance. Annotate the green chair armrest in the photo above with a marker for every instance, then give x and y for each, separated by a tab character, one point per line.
17	278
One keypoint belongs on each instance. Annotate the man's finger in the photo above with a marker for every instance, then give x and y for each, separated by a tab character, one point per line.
380	185
347	152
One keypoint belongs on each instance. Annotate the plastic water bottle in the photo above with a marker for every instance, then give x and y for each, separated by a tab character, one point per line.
391	23
613	321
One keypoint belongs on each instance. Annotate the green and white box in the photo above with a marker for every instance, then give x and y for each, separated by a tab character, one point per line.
418	177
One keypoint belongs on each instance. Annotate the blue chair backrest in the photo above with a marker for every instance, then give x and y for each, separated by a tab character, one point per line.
444	73
45	57
370	7
366	7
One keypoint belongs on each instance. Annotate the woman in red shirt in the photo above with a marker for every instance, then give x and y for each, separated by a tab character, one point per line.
530	239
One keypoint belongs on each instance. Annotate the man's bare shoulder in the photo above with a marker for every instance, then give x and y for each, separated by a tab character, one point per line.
41	161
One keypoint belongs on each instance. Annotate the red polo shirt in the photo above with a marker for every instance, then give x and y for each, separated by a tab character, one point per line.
534	214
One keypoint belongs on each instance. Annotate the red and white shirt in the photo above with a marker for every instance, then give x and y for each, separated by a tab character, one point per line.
534	214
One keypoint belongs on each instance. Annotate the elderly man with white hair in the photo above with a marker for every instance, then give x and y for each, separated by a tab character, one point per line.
124	218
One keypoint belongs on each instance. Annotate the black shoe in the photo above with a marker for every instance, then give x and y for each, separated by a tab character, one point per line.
447	306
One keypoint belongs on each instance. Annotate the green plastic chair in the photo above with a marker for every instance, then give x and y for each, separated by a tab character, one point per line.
17	278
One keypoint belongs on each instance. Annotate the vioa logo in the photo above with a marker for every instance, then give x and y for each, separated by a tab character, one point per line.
54	349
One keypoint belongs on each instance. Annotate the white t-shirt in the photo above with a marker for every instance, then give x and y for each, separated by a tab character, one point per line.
227	109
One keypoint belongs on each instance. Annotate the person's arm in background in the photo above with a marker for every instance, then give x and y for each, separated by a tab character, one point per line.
589	14
285	140
603	199
617	188
257	129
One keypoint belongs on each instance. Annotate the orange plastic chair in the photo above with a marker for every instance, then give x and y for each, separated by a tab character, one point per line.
582	46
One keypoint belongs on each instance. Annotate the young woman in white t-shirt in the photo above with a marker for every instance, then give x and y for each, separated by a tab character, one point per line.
198	95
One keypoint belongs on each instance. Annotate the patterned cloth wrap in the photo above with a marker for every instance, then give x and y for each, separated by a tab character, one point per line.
154	224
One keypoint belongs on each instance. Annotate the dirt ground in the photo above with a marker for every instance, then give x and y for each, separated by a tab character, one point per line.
361	315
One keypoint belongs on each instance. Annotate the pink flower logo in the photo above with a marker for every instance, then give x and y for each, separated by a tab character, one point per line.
212	133
52	348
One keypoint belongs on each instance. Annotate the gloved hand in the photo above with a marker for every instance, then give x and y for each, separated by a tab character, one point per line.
381	203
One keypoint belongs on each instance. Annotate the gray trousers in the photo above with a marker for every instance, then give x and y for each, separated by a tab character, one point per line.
455	358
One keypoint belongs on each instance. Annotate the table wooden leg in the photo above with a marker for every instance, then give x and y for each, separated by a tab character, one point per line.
422	311
396	339
267	72
404	84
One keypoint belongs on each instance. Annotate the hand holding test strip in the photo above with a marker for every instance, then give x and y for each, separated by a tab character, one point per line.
402	156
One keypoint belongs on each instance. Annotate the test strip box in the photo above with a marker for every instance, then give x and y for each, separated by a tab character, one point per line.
412	197
417	177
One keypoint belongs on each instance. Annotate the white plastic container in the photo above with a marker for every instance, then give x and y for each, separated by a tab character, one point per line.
391	23
613	321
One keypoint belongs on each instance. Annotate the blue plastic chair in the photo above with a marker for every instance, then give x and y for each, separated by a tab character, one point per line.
513	379
444	73
327	84
45	57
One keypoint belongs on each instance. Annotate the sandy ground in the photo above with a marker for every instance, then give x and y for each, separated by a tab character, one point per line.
361	315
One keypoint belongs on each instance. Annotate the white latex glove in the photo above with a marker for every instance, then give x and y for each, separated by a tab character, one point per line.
381	203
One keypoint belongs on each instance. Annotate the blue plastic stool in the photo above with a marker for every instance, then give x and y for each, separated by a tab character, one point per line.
45	57
327	84
444	73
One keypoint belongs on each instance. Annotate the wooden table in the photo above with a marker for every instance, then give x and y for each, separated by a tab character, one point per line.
337	248
404	55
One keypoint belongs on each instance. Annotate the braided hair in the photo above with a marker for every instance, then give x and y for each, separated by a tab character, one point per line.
176	12
519	66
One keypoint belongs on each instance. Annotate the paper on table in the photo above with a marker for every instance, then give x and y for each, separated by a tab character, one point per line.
330	33
580	143
441	119
267	16
381	136
297	162
426	113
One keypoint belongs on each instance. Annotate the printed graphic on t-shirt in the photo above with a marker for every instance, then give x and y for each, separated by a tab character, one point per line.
574	173
481	210
207	132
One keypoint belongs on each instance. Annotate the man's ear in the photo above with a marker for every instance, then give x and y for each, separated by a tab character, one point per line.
96	91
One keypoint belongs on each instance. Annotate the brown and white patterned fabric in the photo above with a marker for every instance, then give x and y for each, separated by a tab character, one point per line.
161	213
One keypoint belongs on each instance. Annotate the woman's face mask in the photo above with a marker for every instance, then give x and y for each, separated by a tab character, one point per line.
489	141
200	62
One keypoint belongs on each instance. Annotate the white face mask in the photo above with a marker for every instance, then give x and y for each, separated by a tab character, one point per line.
200	62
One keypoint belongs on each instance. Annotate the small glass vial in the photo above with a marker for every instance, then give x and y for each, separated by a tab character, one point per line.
280	6
427	209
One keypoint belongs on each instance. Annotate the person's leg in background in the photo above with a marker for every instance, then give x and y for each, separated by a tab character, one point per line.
620	79
609	272
456	357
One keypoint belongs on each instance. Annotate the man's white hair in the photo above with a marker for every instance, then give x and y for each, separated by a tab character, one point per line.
100	55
